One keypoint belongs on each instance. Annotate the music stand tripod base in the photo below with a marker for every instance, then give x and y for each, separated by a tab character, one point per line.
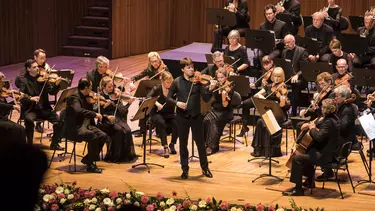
369	180
262	160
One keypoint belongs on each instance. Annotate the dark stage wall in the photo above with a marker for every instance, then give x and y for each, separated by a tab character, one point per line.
137	26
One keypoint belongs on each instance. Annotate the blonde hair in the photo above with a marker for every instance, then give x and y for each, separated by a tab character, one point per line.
281	71
222	71
324	76
166	76
104	82
155	54
330	106
100	60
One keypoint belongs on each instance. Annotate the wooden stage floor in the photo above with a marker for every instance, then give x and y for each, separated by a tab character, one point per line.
232	172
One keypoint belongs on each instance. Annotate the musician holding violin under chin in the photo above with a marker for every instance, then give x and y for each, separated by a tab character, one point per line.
96	75
325	134
188	90
35	103
6	125
121	147
274	91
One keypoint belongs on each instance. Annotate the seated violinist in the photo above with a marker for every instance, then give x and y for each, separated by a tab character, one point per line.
163	115
221	111
268	68
6	125
218	61
79	124
278	92
114	123
35	103
325	134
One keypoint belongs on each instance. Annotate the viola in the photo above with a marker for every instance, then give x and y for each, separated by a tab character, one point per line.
93	98
344	80
198	77
229	68
281	93
4	92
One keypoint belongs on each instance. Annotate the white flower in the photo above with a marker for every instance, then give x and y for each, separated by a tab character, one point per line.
107	201
128	196
70	196
94	200
118	207
202	204
118	201
167	210
170	201
104	191
66	191
233	209
162	204
87	201
47	197
98	209
92	207
136	204
139	194
173	208
59	190
62	201
193	207
280	209
41	190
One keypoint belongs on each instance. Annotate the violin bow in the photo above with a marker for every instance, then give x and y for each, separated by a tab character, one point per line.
262	76
45	82
283	83
164	68
113	76
11	89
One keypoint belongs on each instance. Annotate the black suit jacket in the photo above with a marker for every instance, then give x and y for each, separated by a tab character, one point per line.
242	15
95	78
370	38
279	27
347	113
324	36
300	54
210	70
293	10
77	110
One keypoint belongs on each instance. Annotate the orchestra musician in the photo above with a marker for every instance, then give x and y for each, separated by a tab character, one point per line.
323	33
188	116
6	125
367	31
101	70
239	7
337	53
79	124
40	56
238	52
291	8
295	54
325	135
218	59
276	91
163	115
277	26
35	103
333	13
121	147
221	111
268	68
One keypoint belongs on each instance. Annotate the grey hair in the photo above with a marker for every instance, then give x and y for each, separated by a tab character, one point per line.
217	54
101	60
343	91
234	33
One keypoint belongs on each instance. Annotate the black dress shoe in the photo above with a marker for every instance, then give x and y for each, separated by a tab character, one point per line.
56	147
185	175
207	173
255	154
172	149
93	169
243	132
85	161
294	192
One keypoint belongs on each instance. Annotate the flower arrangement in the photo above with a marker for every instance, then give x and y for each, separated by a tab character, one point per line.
69	197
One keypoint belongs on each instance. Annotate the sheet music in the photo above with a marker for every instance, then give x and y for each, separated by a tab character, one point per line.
271	122
368	124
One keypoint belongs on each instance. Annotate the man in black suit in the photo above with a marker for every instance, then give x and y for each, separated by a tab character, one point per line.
367	31
79	125
96	75
218	61
323	33
295	54
35	103
292	10
325	134
277	26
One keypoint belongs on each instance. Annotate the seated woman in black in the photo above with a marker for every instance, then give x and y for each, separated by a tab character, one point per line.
121	149
238	52
163	115
221	111
261	141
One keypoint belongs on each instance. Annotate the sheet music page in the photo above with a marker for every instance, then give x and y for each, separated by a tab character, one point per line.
368	124
271	122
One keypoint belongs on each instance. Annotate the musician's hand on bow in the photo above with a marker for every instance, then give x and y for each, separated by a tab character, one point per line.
252	86
352	55
294	79
159	106
111	118
35	98
313	58
17	108
302	113
213	84
99	116
181	105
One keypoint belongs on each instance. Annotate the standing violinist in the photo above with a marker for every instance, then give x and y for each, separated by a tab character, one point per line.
35	103
221	111
6	125
163	115
325	135
238	52
121	147
188	115
268	68
279	92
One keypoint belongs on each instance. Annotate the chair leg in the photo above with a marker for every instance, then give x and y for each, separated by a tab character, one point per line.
338	182
286	141
350	178
84	149
234	139
41	134
53	155
73	151
75	157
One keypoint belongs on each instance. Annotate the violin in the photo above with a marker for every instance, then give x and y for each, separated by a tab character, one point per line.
229	68
227	87
93	98
344	80
116	94
198	77
281	93
370	99
4	92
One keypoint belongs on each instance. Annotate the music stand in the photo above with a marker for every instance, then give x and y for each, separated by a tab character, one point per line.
61	103
68	75
263	40
356	22
220	17
287	66
241	83
143	113
263	106
227	59
364	77
310	44
311	69
353	43
145	86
